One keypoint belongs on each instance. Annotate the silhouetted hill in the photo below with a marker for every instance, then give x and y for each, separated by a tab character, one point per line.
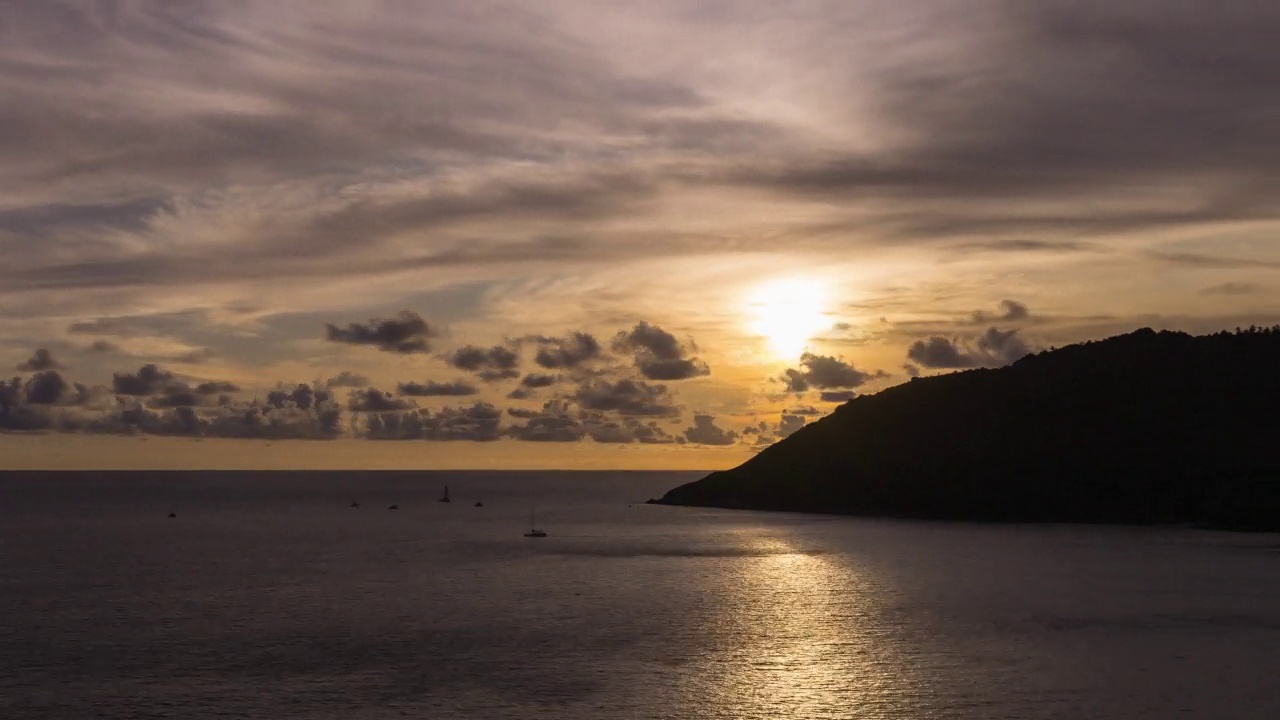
1140	428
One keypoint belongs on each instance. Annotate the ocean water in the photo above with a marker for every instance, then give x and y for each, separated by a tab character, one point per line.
269	597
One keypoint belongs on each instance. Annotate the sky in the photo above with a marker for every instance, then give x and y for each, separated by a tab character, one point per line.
570	234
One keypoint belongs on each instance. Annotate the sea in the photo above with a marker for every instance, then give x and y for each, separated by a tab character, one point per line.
269	596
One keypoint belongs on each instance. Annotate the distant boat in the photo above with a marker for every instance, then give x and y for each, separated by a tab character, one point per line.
355	504
445	496
479	503
534	532
173	514
394	507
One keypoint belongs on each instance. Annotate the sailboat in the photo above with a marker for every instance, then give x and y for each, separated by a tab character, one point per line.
533	526
479	503
445	496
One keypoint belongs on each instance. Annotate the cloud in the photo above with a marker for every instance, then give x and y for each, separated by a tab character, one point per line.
175	398
195	357
490	365
940	352
41	359
553	424
649	433
49	402
788	425
567	352
1023	245
373	400
536	380
347	379
704	431
658	354
559	421
825	372
478	422
103	347
1010	311
836	396
406	333
303	397
993	348
150	379
1201	260
215	387
1232	288
45	388
626	397
1002	347
432	388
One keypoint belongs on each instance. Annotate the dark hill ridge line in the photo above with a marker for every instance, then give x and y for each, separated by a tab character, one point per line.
1140	428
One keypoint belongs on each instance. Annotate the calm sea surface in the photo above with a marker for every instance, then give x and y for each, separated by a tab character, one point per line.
269	597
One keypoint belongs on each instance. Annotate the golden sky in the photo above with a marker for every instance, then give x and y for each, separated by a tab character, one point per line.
563	234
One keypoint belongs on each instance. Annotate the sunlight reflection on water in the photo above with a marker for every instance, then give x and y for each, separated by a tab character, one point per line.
802	638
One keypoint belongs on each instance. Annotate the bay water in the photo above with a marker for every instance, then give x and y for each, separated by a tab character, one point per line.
270	596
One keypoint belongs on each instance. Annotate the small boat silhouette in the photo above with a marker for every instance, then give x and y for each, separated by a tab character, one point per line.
479	503
394	507
173	514
355	504
445	497
534	532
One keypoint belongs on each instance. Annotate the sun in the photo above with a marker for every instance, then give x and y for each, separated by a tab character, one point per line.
788	313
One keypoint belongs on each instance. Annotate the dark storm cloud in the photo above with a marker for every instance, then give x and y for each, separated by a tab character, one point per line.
431	388
41	359
347	379
626	397
836	396
566	352
993	348
538	380
375	401
704	431
406	333
658	354
824	372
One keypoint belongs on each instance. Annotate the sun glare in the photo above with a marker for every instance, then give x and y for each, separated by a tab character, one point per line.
788	313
